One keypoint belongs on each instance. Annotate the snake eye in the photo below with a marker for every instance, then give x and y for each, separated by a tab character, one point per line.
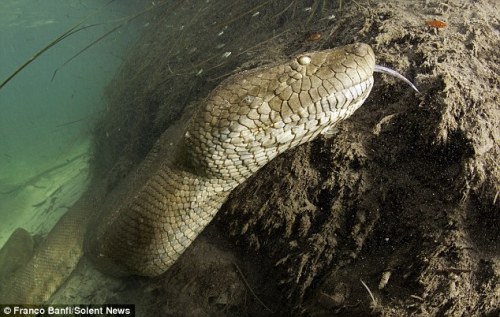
304	60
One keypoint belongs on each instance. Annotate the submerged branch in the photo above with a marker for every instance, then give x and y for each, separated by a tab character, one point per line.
76	28
61	37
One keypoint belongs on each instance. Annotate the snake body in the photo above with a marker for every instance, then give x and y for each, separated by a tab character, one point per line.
244	123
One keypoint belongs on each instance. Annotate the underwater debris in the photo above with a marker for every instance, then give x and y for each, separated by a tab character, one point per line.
437	24
313	37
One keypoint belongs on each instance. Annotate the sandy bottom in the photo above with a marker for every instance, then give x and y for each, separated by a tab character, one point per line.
35	195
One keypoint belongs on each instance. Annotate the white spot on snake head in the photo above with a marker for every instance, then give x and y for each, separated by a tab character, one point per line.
304	60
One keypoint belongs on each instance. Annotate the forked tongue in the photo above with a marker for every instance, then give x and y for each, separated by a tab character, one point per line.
392	72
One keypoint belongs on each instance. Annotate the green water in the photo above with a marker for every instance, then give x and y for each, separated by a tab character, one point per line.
45	120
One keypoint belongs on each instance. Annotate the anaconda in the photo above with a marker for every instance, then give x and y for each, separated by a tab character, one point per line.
245	122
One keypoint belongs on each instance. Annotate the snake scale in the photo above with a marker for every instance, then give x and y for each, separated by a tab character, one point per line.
245	122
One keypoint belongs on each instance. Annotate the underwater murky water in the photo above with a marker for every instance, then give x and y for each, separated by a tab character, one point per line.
48	109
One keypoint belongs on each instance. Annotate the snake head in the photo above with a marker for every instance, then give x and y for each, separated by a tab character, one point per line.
253	116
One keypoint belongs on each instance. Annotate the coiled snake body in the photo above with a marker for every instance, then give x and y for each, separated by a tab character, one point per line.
244	123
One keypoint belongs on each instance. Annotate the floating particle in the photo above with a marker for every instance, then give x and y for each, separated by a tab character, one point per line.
384	280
